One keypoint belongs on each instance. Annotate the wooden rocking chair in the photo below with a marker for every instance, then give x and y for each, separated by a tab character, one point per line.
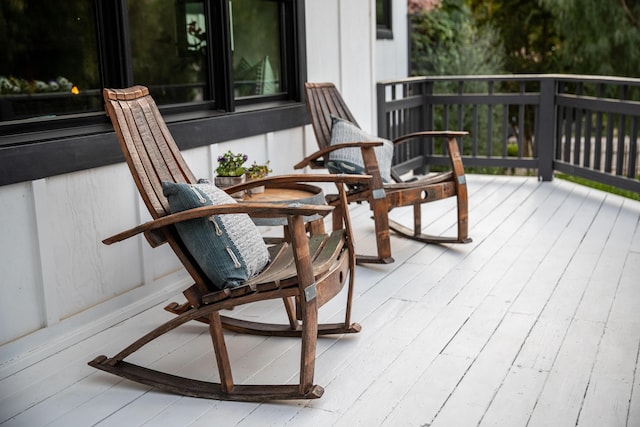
326	106
305	272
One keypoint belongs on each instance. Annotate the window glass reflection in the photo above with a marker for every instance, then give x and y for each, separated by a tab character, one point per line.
169	48
256	48
45	72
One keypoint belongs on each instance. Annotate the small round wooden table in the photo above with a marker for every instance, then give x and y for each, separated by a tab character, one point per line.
290	193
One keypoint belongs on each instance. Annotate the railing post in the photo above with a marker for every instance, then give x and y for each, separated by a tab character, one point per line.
545	135
382	110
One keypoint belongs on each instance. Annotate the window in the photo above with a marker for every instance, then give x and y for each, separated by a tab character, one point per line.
201	59
50	59
199	54
383	19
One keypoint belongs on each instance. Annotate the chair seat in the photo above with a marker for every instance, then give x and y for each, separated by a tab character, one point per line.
281	272
420	181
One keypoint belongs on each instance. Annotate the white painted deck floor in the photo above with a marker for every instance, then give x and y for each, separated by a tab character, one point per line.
535	323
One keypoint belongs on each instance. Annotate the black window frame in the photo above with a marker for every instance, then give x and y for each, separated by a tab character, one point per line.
384	26
34	149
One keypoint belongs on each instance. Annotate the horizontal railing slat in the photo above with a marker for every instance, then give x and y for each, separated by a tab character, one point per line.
628	108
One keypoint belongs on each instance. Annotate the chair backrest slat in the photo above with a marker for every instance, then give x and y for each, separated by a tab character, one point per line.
141	164
323	101
149	148
169	157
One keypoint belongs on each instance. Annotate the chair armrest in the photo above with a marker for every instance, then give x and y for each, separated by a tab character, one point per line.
313	158
452	146
346	179
432	133
262	210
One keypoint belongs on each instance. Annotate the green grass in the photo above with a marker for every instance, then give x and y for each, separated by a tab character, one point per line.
608	188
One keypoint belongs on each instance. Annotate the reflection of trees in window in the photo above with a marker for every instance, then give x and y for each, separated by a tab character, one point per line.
160	52
181	49
39	61
256	47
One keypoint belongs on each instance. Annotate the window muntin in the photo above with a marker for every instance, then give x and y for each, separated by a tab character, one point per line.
50	59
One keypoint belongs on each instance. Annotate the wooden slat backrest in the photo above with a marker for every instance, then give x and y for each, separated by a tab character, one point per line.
323	101
147	144
152	156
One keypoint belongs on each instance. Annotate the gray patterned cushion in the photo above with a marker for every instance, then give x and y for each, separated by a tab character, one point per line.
349	160
228	248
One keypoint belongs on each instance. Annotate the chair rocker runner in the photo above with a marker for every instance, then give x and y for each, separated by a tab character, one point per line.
336	131
304	272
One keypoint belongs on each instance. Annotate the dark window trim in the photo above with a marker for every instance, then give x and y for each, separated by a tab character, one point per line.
79	146
47	158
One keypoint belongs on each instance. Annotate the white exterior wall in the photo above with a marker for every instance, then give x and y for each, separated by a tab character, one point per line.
340	43
392	54
60	284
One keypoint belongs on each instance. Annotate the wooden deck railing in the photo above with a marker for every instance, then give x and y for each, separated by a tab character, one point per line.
580	125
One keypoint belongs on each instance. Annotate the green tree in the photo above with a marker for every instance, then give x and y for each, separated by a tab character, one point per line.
565	36
526	30
597	36
446	41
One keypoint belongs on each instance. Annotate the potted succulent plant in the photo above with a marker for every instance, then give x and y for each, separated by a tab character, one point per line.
256	171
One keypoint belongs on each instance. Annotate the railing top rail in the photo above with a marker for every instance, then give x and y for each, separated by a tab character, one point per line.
519	77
